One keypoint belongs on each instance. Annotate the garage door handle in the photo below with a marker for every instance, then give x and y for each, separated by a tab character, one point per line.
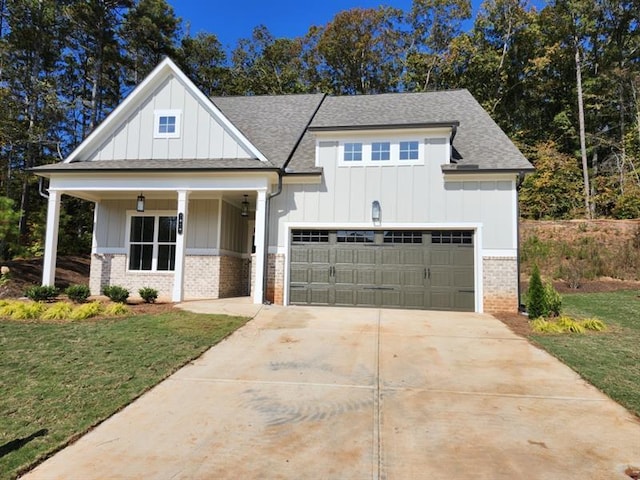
427	273
332	271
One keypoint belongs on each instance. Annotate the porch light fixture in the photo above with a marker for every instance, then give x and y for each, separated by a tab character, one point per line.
140	203
375	212
244	207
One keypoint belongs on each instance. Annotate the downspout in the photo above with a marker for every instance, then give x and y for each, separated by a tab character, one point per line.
521	308
267	207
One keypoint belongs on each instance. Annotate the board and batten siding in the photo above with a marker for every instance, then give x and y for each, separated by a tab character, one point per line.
233	236
201	136
407	194
202	225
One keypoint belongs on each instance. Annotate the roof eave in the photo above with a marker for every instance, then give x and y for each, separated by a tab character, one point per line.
387	126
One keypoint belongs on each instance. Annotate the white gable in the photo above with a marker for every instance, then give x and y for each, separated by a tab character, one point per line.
129	132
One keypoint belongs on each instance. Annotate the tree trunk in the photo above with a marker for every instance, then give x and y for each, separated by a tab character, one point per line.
583	146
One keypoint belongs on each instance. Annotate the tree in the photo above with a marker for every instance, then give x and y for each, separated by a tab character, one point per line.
149	33
360	51
202	58
435	24
267	65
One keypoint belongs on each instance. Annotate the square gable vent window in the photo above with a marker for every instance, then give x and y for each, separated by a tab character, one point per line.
167	123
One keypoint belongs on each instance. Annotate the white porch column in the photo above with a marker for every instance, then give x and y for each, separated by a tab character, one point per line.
178	279
51	239
261	248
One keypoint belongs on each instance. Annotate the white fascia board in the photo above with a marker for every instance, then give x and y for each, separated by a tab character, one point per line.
424	132
477	176
154	79
144	182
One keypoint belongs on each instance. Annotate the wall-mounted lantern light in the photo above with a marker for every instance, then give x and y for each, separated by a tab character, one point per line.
376	212
140	203
244	207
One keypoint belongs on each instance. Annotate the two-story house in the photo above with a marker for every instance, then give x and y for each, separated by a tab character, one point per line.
404	200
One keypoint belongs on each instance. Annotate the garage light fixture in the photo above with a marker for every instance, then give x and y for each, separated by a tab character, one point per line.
244	207
376	212
140	203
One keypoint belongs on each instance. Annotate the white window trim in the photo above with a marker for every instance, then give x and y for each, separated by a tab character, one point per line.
154	259
394	159
167	113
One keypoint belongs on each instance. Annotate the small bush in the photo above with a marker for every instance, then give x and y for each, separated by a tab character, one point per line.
86	310
594	324
27	311
568	324
43	293
116	310
7	308
116	293
540	325
536	300
57	311
78	293
149	295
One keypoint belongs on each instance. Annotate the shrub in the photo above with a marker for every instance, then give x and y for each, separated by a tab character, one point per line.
568	324
116	310
86	310
594	324
536	297
57	311
42	293
552	301
27	311
149	295
116	293
540	325
7	308
78	293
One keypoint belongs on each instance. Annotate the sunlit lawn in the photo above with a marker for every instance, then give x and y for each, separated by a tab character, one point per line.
58	380
609	360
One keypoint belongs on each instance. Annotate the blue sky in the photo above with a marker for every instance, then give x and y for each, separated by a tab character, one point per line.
231	20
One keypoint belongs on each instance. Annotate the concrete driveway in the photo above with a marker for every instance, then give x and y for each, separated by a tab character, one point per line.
328	393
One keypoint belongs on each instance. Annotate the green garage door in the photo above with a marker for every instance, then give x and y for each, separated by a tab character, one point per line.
383	268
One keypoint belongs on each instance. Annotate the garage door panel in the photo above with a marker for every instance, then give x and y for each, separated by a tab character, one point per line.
345	297
415	299
465	300
391	298
365	256
365	277
319	275
345	276
441	300
298	295
390	256
413	278
319	296
463	278
366	298
441	277
320	255
300	255
462	256
299	274
391	278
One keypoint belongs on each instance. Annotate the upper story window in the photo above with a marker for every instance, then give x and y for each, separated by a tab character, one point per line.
167	123
401	151
409	150
352	152
380	151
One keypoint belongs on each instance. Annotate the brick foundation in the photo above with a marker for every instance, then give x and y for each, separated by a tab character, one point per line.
500	282
206	276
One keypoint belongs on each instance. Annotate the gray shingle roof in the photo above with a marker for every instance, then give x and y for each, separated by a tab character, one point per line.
157	165
273	123
478	141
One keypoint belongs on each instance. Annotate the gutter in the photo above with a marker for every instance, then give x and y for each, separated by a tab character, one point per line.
521	308
267	210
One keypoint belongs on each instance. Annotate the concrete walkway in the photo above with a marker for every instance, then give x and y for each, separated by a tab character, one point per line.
328	393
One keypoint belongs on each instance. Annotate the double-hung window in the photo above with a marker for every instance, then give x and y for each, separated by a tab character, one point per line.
152	242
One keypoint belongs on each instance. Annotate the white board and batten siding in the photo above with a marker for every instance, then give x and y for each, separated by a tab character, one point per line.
201	135
408	194
202	227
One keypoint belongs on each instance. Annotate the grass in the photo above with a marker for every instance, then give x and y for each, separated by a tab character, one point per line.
60	379
610	360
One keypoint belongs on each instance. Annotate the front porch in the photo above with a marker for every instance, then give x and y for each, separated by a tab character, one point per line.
195	241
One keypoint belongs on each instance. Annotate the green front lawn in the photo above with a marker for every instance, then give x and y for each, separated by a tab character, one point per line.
58	380
609	360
